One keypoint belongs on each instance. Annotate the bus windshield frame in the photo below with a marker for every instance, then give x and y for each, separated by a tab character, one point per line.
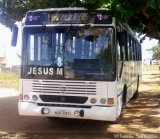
69	53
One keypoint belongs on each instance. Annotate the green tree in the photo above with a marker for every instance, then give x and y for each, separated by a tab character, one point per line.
156	52
142	15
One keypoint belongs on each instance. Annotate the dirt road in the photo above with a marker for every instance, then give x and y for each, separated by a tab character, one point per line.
141	118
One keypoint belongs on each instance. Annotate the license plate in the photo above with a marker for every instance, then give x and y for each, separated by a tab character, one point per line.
63	112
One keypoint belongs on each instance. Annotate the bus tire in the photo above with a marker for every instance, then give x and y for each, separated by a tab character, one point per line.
124	97
136	94
118	120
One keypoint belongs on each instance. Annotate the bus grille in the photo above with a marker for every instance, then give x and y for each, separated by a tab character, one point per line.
64	87
63	99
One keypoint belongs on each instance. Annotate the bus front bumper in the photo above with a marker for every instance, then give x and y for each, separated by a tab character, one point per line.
94	113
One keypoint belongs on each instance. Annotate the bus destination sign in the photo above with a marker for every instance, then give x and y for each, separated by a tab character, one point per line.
67	17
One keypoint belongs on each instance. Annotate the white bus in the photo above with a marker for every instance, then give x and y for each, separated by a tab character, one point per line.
77	63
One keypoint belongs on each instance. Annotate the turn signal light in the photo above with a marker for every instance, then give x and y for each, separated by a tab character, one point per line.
110	101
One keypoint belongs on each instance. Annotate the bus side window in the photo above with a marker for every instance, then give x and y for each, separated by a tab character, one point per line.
136	52
123	53
120	53
134	49
139	52
130	49
121	46
127	47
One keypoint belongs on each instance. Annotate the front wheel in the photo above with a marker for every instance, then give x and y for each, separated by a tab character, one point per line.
124	97
118	120
136	94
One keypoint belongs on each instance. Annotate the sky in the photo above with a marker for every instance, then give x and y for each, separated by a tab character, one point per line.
148	44
11	52
4	39
5	48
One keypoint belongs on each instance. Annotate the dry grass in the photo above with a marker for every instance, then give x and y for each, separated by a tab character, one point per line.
9	80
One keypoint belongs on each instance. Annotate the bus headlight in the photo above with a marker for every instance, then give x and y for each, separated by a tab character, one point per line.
93	100
103	100
26	97
35	98
77	113
45	111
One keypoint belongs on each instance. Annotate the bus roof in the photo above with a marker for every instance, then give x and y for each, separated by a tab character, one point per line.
66	9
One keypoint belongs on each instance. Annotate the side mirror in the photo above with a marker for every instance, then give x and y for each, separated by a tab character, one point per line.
14	35
122	38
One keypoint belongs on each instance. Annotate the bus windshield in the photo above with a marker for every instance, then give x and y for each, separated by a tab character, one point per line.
80	53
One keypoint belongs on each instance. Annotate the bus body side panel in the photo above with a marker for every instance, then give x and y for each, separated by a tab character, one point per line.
129	77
